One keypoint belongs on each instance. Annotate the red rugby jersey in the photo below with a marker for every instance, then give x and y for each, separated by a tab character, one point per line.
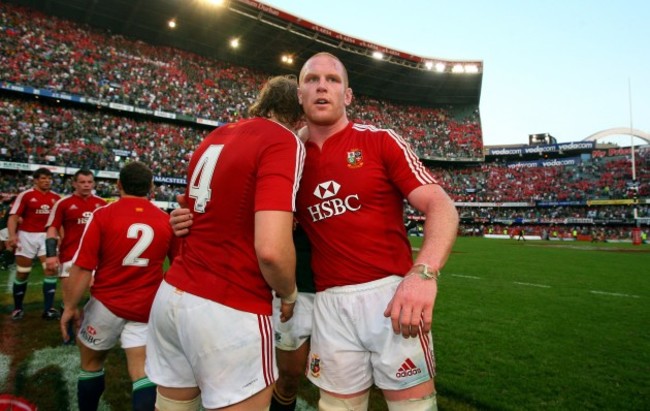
72	213
34	207
351	204
126	242
238	169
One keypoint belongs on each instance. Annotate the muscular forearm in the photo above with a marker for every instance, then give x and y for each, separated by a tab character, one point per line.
12	225
78	284
275	251
440	228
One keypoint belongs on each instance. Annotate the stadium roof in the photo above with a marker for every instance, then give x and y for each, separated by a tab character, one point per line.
265	33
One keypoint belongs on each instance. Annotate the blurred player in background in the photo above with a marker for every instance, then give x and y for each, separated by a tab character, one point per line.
292	337
32	208
125	243
66	224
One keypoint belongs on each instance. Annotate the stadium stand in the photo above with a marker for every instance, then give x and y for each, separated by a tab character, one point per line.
155	103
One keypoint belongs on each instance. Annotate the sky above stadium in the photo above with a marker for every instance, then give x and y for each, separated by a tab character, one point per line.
562	67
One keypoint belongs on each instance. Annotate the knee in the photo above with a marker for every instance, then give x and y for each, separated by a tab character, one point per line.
167	404
329	402
426	403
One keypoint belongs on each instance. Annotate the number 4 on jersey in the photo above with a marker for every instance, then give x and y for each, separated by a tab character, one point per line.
200	191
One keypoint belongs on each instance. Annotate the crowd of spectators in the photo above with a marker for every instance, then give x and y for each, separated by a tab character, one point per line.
597	178
46	52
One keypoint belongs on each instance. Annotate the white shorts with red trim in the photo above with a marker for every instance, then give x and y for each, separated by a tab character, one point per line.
353	345
196	342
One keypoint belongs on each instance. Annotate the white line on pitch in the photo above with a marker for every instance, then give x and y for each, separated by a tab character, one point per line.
533	285
614	294
10	278
466	276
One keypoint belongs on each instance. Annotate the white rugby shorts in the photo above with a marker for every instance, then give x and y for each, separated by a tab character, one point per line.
353	345
31	245
101	329
290	335
196	342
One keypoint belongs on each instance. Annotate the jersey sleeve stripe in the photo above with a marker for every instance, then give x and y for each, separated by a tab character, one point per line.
300	162
418	169
50	218
18	201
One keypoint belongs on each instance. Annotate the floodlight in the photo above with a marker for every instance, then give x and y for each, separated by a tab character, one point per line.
378	55
428	65
234	43
458	68
171	24
440	67
471	68
287	59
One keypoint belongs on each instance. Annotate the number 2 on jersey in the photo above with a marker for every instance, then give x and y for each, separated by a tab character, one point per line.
200	191
145	233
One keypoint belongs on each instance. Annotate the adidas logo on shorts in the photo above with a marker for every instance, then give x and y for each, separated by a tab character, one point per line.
408	369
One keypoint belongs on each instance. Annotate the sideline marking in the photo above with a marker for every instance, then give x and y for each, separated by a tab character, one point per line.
614	294
466	276
67	359
10	278
533	285
5	362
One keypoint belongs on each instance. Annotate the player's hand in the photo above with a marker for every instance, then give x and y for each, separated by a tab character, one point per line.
181	218
11	243
286	311
411	308
69	315
52	263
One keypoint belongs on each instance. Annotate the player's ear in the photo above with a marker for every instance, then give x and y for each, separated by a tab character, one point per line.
348	96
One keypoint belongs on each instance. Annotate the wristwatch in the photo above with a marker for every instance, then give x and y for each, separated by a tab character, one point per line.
425	272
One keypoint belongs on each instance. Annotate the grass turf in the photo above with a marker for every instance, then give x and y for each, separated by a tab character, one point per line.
517	326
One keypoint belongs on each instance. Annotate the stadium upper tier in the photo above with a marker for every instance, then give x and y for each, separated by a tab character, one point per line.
265	34
43	52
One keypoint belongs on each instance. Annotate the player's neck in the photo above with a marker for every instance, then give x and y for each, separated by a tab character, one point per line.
37	188
319	133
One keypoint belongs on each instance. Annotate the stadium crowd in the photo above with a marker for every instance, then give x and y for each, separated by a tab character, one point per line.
45	52
49	53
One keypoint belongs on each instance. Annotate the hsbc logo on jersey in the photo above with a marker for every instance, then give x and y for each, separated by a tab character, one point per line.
45	209
332	206
327	189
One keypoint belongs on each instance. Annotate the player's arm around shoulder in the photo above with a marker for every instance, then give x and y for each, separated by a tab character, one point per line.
415	297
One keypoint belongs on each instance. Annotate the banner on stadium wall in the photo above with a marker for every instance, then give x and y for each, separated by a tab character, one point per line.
164	114
617	152
170	180
542	148
506	204
208	122
122	153
122	107
627	201
560	203
556	162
